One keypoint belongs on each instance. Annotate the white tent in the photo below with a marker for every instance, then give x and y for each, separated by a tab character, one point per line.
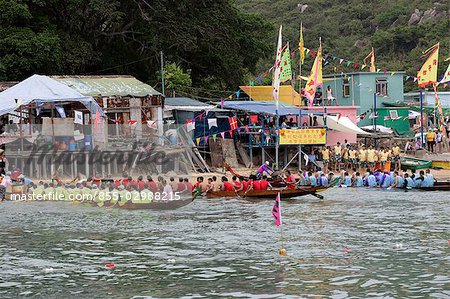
381	129
342	124
42	89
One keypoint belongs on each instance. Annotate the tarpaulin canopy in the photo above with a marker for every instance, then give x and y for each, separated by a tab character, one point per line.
266	108
342	124
287	94
42	89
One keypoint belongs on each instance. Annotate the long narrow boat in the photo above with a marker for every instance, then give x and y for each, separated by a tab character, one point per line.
438	186
414	163
275	182
284	193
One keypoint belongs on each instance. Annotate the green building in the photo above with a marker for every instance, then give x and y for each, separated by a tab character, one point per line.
358	89
395	118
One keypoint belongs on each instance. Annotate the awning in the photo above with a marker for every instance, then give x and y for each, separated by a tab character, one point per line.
381	129
42	89
266	108
342	124
265	94
185	104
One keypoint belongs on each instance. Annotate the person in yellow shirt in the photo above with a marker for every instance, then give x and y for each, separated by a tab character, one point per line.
431	140
345	157
371	158
396	156
337	156
384	154
362	157
325	158
352	154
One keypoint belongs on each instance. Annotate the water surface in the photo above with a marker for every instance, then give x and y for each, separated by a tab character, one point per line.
355	243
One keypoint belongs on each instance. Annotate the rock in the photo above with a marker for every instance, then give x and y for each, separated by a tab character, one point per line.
360	43
429	14
415	17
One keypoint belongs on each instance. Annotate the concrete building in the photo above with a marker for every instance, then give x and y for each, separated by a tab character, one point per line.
358	89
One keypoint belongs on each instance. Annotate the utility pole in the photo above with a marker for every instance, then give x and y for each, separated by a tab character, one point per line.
162	72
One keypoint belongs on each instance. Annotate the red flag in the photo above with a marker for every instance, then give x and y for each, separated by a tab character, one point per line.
231	133
253	119
132	122
97	119
233	123
276	210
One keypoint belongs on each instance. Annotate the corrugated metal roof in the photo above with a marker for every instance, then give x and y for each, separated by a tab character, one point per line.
181	101
108	86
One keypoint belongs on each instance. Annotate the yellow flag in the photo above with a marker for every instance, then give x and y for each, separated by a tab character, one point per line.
428	73
301	46
446	78
197	140
315	77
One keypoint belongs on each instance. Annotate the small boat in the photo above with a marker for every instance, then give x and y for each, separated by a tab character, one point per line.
414	163
284	193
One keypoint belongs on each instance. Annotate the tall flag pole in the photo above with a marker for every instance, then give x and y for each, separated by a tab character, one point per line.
301	49
445	80
372	61
276	214
315	77
428	75
276	90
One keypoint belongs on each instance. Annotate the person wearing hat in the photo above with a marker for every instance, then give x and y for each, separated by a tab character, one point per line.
264	168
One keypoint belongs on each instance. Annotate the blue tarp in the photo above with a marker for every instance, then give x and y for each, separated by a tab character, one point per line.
266	108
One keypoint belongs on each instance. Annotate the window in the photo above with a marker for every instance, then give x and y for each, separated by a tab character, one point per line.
393	114
345	88
382	86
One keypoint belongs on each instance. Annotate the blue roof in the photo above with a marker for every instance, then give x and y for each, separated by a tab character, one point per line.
266	108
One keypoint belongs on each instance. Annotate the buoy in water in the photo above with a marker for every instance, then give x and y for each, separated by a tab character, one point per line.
282	251
110	266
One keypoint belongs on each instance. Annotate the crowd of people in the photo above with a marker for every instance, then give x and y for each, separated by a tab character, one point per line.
348	156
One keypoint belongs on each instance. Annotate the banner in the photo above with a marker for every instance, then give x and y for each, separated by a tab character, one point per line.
301	46
285	67
315	78
303	136
428	73
78	117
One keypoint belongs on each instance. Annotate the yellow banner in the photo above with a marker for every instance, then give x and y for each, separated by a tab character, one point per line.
428	73
303	136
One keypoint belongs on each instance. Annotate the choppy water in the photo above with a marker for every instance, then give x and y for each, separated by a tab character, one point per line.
355	243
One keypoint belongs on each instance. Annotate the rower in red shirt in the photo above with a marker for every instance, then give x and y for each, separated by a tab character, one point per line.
264	183
152	186
290	180
227	186
237	184
140	183
188	184
256	185
181	187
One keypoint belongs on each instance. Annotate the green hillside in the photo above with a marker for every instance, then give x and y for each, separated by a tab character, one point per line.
349	28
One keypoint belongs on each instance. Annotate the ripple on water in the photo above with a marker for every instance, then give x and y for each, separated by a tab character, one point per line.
355	243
